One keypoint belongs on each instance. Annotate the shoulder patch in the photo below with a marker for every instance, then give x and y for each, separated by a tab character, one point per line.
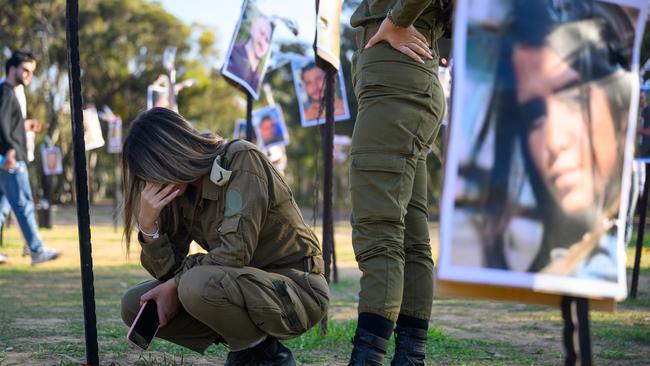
219	175
233	203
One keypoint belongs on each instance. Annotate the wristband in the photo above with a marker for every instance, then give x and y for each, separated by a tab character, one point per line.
154	235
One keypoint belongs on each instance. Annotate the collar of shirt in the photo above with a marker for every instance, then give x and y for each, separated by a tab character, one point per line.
209	190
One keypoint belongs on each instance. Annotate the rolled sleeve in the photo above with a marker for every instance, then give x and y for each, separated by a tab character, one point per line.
160	257
405	12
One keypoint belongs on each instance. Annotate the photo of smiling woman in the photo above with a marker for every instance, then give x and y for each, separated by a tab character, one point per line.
249	50
538	191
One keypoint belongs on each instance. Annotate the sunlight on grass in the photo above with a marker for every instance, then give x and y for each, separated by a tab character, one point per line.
43	321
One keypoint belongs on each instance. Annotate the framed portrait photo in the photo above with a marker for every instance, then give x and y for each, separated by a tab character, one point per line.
52	161
115	135
92	129
250	49
309	81
537	181
239	132
159	94
270	127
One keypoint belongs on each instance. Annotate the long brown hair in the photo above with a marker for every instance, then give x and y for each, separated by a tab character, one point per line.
163	147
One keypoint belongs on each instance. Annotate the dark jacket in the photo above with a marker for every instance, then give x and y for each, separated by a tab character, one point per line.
12	123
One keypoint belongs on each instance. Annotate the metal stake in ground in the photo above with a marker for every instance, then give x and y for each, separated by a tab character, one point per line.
328	167
643	209
577	341
83	214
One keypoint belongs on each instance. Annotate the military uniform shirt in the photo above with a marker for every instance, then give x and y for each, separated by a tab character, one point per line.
252	220
420	13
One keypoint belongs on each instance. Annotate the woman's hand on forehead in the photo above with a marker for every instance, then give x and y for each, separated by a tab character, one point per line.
154	197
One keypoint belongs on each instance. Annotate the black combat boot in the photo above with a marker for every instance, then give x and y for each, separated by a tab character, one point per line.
410	347
369	349
268	353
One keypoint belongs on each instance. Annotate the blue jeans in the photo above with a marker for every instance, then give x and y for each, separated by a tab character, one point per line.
5	209
15	189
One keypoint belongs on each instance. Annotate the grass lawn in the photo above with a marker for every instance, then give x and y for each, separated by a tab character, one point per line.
42	316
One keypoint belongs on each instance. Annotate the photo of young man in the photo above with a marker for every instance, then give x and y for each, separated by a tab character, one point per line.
309	81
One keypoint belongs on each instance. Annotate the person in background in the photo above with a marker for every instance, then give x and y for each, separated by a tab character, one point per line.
14	176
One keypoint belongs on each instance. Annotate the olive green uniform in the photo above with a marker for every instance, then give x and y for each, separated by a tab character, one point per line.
262	273
400	107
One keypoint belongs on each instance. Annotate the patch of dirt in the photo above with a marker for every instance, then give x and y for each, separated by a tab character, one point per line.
46	340
17	358
29	323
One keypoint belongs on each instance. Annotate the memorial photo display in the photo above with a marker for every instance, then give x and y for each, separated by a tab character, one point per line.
537	177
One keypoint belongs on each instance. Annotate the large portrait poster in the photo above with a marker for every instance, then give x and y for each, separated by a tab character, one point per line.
309	81
544	109
250	49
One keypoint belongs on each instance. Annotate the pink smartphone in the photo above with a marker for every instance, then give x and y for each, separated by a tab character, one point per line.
145	326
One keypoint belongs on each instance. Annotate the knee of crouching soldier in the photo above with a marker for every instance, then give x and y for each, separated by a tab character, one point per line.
130	306
196	285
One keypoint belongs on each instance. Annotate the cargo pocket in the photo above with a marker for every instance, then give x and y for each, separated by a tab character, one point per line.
318	290
222	291
376	181
230	237
229	225
383	71
293	313
271	306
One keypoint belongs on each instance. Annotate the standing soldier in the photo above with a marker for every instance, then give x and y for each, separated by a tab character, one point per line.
401	103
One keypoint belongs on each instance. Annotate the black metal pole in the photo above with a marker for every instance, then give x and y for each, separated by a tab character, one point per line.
576	337
643	208
328	167
249	117
81	183
45	211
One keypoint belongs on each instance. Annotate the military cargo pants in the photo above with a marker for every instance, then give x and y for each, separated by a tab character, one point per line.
242	305
400	107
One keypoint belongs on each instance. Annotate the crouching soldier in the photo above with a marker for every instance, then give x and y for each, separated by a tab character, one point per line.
262	276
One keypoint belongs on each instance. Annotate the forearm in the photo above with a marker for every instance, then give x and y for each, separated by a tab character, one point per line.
160	257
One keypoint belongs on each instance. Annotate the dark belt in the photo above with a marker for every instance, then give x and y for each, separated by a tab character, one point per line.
369	29
309	265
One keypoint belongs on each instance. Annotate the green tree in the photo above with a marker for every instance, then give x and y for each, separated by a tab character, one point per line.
121	48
